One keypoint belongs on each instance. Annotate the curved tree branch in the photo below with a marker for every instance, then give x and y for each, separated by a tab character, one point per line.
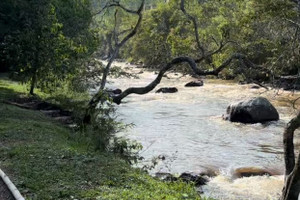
221	46
192	64
193	19
99	95
119	45
204	55
117	4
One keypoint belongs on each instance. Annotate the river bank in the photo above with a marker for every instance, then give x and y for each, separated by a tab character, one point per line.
188	130
47	160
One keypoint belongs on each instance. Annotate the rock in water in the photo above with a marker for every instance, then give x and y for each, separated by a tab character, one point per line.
167	90
254	110
194	84
193	178
251	171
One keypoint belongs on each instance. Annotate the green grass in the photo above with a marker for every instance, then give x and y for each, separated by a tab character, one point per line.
49	161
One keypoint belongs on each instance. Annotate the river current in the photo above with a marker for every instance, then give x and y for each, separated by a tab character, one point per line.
187	129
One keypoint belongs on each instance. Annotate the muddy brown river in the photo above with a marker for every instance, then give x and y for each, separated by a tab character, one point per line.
188	130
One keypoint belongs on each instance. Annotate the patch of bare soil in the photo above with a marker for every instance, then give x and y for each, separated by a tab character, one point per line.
5	194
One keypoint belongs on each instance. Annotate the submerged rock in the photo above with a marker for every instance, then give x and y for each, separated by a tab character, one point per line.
198	83
167	90
254	110
198	180
251	171
254	87
193	178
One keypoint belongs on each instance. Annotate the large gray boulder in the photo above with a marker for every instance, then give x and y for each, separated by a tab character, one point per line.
253	110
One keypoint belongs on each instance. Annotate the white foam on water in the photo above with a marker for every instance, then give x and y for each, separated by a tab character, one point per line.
224	187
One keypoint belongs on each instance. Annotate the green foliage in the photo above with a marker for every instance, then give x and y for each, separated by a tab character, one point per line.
265	31
129	150
49	40
163	35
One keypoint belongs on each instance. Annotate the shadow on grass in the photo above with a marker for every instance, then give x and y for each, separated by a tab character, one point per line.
6	93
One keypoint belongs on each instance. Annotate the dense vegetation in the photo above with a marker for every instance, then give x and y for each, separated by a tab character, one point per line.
44	42
267	32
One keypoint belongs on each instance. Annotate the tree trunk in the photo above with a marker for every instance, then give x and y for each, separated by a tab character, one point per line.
33	83
291	188
99	95
107	68
109	44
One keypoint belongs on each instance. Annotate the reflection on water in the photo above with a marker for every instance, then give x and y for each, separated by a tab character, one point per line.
188	129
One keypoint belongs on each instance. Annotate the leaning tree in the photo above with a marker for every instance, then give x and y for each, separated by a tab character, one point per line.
98	97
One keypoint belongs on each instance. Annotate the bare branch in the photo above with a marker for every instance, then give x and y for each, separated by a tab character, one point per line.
192	64
97	97
117	4
134	30
193	19
221	46
115	28
119	45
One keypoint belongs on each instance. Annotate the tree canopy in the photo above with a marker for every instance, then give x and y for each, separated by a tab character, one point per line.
44	41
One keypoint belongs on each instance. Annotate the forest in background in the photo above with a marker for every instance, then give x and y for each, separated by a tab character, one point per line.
267	32
59	37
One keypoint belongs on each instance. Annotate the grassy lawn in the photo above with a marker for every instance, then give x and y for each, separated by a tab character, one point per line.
49	161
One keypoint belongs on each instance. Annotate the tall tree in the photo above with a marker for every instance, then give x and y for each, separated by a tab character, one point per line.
96	99
42	46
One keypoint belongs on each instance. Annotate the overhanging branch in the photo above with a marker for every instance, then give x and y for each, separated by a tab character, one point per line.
192	64
117	4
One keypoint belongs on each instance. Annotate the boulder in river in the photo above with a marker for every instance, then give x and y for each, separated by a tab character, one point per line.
187	177
252	171
198	83
254	87
254	110
167	90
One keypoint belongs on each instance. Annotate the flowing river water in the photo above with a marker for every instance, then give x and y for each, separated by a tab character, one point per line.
188	130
